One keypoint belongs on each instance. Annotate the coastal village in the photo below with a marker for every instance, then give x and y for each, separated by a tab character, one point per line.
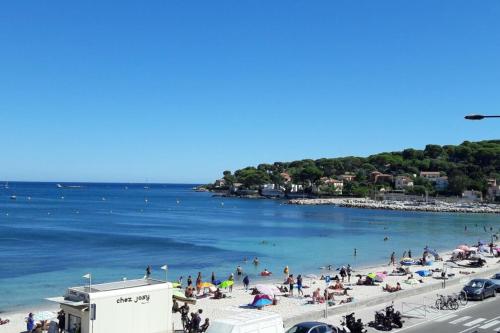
461	178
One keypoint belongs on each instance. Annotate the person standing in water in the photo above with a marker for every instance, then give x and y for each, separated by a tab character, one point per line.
355	251
148	271
286	272
393	259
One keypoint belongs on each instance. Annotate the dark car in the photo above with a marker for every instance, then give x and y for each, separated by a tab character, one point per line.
480	289
312	327
496	280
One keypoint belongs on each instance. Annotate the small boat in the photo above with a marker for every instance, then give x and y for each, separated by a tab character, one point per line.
13	197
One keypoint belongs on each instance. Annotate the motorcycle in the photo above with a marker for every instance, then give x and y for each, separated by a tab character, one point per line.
381	321
385	321
395	316
352	325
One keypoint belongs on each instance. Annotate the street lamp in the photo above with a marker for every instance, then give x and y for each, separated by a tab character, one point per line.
478	117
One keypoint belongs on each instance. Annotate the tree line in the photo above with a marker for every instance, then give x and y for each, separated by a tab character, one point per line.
468	166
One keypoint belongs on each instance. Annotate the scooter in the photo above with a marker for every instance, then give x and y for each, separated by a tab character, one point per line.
350	324
395	316
381	321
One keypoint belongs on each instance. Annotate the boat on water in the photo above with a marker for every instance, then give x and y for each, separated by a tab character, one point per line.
13	197
68	186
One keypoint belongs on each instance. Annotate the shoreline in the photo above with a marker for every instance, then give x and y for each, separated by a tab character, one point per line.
436	207
294	308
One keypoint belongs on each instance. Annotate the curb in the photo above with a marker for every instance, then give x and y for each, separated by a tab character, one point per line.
351	307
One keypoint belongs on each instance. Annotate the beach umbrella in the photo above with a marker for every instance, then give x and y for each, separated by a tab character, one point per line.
312	276
372	275
267	289
176	285
262	303
206	285
44	315
463	247
457	251
379	277
225	284
217	282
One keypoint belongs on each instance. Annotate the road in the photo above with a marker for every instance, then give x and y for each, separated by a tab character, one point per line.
479	317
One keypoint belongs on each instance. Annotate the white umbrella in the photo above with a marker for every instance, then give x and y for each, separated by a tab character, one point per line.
267	289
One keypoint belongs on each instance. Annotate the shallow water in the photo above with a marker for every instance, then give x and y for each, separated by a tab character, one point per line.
116	230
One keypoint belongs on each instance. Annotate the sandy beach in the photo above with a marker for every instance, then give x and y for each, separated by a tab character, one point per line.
295	308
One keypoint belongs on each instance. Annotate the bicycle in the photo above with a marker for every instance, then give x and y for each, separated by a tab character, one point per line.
446	302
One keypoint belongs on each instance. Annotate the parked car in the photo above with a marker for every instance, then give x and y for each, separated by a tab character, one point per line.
496	280
480	289
312	327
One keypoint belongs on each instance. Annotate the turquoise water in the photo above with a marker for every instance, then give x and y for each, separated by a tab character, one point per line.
116	230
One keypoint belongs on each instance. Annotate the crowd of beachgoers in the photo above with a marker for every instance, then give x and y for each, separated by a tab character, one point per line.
293	294
431	206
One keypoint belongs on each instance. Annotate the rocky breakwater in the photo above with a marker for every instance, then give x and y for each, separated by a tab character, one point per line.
434	206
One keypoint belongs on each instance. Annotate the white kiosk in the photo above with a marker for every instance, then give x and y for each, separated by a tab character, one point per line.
133	306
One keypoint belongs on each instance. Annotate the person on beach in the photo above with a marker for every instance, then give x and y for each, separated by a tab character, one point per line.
299	285
404	254
409	253
239	271
393	259
343	273
256	261
189	281
231	278
30	323
199	281
148	271
290	283
212	279
61	318
184	316
179	280
349	272
286	272
246	282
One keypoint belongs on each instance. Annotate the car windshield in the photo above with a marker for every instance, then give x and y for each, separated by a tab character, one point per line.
475	284
497	276
298	329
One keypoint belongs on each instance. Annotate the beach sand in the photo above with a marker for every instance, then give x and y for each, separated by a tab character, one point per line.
293	307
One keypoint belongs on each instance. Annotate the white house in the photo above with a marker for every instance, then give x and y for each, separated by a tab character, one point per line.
402	182
128	306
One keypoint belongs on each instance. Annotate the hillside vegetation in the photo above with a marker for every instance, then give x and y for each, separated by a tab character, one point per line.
468	166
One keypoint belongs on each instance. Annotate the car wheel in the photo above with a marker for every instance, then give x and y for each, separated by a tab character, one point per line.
494	293
482	296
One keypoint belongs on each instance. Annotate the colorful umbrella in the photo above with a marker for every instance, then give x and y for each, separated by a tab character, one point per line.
262	303
463	247
226	284
372	275
206	285
176	285
379	277
267	289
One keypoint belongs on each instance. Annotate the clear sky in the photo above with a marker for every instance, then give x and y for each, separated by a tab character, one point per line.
178	91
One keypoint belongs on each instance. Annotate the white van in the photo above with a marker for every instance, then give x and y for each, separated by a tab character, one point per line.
253	321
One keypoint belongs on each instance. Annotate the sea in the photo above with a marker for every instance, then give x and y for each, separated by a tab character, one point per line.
51	236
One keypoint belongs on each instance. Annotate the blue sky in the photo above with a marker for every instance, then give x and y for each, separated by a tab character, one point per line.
178	91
